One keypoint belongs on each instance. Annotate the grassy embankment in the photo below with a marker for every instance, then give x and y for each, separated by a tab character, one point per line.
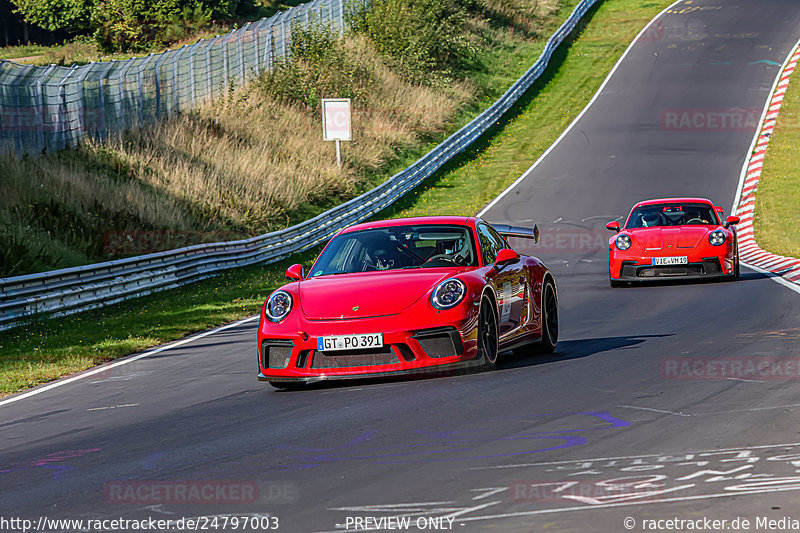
49	349
777	216
180	179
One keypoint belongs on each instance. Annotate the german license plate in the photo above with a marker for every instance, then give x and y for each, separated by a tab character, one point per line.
350	342
684	260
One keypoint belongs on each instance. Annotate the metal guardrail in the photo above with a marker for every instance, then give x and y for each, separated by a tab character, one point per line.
48	108
70	290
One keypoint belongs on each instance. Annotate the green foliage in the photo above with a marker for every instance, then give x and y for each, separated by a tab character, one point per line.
70	15
139	25
318	67
426	41
226	9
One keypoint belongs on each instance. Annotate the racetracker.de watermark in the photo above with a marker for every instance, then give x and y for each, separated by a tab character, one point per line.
705	523
742	367
710	120
146	242
211	492
573	240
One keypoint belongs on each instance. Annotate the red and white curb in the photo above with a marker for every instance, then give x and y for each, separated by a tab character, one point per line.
750	253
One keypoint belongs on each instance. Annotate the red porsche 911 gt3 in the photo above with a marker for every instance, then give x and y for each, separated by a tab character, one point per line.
673	238
407	296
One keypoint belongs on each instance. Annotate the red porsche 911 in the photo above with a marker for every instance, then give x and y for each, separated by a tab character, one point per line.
407	296
673	238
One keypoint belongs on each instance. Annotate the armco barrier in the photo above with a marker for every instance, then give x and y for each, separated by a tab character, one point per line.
48	108
71	290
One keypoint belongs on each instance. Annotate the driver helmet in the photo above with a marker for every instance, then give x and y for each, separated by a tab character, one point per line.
650	219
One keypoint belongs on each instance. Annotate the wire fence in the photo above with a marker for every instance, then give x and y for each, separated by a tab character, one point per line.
75	289
49	108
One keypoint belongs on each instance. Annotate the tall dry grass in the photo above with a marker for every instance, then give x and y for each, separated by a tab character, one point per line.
249	163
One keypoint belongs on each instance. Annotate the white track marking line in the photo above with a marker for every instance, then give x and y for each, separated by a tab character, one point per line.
641	456
580	115
781	78
112	407
774	277
654	410
623	504
103	368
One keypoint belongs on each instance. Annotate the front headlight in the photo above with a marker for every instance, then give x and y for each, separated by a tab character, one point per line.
448	294
717	237
623	242
278	306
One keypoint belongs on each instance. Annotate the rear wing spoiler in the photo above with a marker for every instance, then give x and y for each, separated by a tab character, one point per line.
518	231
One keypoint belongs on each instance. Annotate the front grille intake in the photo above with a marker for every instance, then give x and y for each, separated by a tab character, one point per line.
275	353
440	342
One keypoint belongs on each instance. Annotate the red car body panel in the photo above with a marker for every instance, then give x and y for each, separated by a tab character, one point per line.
397	304
689	240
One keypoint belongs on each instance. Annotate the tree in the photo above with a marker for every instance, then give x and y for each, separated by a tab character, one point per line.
140	24
69	15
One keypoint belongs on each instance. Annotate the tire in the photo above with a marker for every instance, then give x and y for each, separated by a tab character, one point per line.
488	338
736	273
549	317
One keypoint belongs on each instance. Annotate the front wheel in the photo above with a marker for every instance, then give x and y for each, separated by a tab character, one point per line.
549	318
735	275
487	334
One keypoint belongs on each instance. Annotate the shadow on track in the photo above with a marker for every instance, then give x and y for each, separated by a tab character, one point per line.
572	349
520	358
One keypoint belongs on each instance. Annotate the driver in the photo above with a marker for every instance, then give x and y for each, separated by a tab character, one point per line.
649	219
454	248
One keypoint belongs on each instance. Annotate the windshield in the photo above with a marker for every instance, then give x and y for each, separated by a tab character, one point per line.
672	214
397	247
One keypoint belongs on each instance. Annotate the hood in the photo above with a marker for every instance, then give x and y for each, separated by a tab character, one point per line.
372	293
670	238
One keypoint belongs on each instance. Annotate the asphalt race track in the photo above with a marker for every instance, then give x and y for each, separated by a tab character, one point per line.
580	441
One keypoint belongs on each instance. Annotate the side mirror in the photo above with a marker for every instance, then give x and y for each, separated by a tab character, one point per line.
535	234
613	226
505	255
295	272
732	220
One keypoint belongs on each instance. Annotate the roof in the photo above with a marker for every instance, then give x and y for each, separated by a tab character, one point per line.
681	200
453	220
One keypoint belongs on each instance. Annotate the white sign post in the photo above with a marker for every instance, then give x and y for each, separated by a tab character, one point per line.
336	123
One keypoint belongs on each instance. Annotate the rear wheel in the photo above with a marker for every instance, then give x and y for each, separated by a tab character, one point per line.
487	334
549	317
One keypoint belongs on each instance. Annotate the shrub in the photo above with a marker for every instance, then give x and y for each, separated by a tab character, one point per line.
426	41
138	25
69	15
318	67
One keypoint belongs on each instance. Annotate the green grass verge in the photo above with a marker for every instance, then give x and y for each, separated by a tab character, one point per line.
777	216
49	349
